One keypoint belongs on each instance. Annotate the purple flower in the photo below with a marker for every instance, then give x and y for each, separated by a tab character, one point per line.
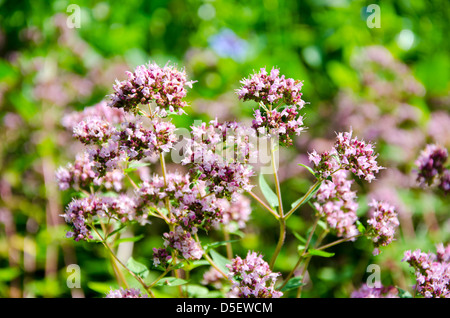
82	174
375	292
252	278
161	257
227	44
213	277
236	212
183	243
139	142
165	86
348	154
430	164
191	206
337	204
382	224
432	271
93	130
100	111
281	125
81	212
126	293
271	89
220	154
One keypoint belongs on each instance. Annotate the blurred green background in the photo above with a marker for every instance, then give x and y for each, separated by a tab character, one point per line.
390	84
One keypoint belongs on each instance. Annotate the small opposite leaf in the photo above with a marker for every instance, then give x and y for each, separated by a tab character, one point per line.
299	237
403	293
138	268
320	253
133	166
306	198
220	261
129	239
209	246
360	227
267	191
171	281
308	168
294	282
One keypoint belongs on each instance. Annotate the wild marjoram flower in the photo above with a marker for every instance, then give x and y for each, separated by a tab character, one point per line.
164	86
382	224
347	154
431	169
272	91
252	278
337	203
432	271
126	293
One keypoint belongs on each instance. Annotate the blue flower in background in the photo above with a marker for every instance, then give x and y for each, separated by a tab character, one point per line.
227	44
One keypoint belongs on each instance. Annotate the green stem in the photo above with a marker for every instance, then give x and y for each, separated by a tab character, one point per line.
300	259
280	243
305	266
277	182
258	199
311	189
122	264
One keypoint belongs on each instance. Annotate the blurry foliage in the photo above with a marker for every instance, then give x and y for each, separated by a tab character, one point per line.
48	70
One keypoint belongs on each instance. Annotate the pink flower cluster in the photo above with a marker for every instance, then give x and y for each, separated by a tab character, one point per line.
225	170
252	278
348	154
184	243
213	277
432	271
271	89
139	142
382	224
366	291
93	130
191	207
100	111
165	86
337	203
235	213
82	174
126	293
81	212
132	141
161	257
431	169
280	124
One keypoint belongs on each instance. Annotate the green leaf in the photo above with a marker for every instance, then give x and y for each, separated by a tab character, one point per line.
306	197
220	261
134	165
360	227
100	287
171	281
403	293
196	291
299	237
210	246
195	264
293	283
137	268
268	193
120	228
129	239
308	168
8	274
320	253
